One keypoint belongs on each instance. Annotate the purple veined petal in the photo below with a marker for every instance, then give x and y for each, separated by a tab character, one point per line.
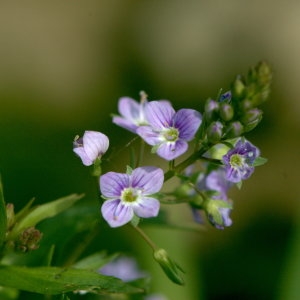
149	179
129	109
149	135
233	175
171	150
95	144
84	158
146	208
187	121
159	114
246	172
112	184
124	123
216	180
116	213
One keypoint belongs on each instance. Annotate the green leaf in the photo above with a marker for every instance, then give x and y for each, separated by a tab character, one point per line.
53	280
44	211
95	261
259	161
3	218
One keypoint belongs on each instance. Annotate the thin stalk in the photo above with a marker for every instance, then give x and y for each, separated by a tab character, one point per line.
146	238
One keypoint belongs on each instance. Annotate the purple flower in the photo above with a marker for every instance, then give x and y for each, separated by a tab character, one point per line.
132	114
124	268
169	131
130	194
91	146
239	161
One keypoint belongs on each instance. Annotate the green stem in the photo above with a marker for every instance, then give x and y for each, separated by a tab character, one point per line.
146	238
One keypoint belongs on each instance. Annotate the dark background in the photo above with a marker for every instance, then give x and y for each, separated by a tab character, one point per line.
63	67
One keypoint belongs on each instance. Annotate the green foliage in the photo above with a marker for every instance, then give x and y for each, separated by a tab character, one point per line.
3	219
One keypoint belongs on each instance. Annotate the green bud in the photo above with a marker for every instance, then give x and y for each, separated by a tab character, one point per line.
170	267
234	130
238	88
214	132
264	73
251	119
226	111
211	109
246	104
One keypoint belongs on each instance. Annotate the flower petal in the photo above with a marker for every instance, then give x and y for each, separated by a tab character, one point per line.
147	207
129	108
159	114
187	121
84	158
149	179
112	184
95	144
172	150
150	136
124	123
116	213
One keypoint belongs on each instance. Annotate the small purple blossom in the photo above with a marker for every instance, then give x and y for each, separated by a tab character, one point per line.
132	114
124	268
91	146
129	194
169	131
239	161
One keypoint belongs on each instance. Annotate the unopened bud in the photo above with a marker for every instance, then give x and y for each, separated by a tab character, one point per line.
234	129
226	111
170	267
215	132
211	109
238	88
251	119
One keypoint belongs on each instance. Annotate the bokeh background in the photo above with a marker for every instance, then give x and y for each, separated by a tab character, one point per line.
63	67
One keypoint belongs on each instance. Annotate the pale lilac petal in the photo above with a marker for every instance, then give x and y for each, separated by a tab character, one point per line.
84	158
124	123
95	144
149	179
187	121
129	108
159	114
149	135
172	150
112	184
147	208
116	213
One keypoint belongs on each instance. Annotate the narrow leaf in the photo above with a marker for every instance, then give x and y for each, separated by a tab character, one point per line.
45	211
53	280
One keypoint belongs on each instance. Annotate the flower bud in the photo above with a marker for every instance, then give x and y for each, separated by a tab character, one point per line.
226	111
251	119
170	267
214	132
238	88
234	129
264	73
211	109
217	212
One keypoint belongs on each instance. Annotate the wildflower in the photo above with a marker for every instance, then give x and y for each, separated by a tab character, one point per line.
132	113
130	194
239	161
91	146
169	131
124	268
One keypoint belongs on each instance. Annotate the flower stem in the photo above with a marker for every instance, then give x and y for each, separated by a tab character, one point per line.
146	238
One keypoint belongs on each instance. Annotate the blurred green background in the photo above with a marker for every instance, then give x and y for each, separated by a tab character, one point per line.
64	65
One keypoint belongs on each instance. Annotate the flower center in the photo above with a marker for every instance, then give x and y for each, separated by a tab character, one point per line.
129	195
171	134
236	160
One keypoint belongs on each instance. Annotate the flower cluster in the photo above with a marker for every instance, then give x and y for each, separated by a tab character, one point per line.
217	133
